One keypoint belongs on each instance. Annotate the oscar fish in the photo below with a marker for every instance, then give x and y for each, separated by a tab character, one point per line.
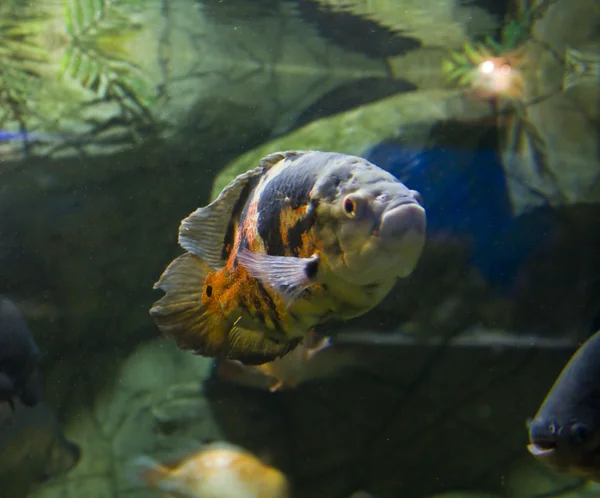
218	470
565	432
304	238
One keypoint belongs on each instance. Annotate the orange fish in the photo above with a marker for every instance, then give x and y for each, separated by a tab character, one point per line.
283	373
304	238
218	470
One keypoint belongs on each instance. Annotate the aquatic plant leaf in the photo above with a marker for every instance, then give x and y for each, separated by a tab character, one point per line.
21	59
97	58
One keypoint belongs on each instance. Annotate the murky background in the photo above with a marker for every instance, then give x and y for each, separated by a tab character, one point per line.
119	118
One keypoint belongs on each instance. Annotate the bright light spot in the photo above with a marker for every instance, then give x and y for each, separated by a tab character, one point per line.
486	67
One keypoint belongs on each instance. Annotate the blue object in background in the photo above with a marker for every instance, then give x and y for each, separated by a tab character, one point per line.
466	197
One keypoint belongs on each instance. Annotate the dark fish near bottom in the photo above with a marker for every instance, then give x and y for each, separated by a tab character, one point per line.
33	449
565	432
19	356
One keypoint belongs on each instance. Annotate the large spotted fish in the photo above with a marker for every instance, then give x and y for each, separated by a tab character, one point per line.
304	238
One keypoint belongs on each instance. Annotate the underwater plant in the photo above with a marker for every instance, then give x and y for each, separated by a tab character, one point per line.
96	56
492	67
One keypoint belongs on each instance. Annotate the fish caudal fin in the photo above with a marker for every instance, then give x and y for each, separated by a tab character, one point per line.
181	314
144	471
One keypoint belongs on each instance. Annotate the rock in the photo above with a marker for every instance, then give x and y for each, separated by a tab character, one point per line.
551	145
367	429
33	449
355	131
84	81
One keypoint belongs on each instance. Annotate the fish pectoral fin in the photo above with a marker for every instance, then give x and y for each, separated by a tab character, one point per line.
287	275
181	315
252	347
204	231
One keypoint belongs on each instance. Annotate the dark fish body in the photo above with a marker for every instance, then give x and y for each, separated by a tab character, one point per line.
19	356
565	433
33	449
304	238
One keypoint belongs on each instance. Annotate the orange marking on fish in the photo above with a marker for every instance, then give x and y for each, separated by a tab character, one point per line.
233	289
309	246
251	226
288	218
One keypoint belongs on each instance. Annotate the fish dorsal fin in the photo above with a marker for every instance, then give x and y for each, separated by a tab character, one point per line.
203	232
272	159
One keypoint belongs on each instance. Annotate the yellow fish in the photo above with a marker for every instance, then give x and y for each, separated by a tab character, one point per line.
304	238
218	470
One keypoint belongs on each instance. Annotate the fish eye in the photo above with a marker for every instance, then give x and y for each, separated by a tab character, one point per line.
350	206
579	433
209	290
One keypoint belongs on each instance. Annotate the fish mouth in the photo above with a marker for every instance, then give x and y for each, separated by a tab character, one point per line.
543	448
401	219
402	233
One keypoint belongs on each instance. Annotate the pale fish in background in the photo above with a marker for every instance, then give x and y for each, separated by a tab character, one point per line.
33	449
218	470
287	372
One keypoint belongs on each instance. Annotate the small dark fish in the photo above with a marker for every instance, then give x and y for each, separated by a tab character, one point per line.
19	356
33	449
565	432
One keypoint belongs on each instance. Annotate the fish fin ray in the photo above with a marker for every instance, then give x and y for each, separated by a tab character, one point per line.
272	159
256	348
180	313
287	275
203	232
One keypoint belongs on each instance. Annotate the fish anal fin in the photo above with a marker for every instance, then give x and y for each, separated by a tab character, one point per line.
252	347
288	275
204	231
181	315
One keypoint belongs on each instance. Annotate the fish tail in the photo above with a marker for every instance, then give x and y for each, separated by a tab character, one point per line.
181	313
184	315
144	471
